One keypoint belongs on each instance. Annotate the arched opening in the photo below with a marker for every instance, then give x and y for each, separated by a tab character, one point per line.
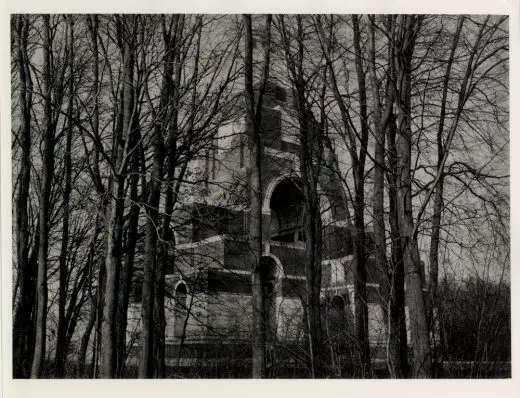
294	176
287	212
181	298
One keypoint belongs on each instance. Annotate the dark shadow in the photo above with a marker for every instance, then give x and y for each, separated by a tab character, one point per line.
287	212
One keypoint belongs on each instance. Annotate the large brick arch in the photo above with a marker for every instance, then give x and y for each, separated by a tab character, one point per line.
325	207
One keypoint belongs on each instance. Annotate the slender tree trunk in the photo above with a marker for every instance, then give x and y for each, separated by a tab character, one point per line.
33	266
150	255
93	317
438	206
255	214
44	212
93	27
414	291
398	341
159	326
127	268
360	272
311	159
25	274
253	118
108	328
360	292
313	254
61	345
166	245
379	161
358	167
434	271
100	303
116	204
392	286
111	281
127	271
85	338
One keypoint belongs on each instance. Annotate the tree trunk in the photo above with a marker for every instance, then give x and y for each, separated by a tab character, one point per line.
313	254
93	27
438	206
255	213
127	268
150	254
25	274
112	261
100	303
127	272
311	159
61	344
44	212
434	271
392	286
85	338
397	339
414	291
166	246
116	204
358	167
360	272
95	308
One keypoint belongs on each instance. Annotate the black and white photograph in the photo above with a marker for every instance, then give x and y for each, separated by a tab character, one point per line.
259	196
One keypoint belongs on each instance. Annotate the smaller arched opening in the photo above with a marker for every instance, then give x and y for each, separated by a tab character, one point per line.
181	310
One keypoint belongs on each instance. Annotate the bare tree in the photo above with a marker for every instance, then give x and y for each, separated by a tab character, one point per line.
124	106
311	140
407	28
354	138
253	116
391	286
61	346
44	211
24	306
126	26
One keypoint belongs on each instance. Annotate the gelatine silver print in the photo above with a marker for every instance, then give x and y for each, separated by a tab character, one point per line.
266	196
